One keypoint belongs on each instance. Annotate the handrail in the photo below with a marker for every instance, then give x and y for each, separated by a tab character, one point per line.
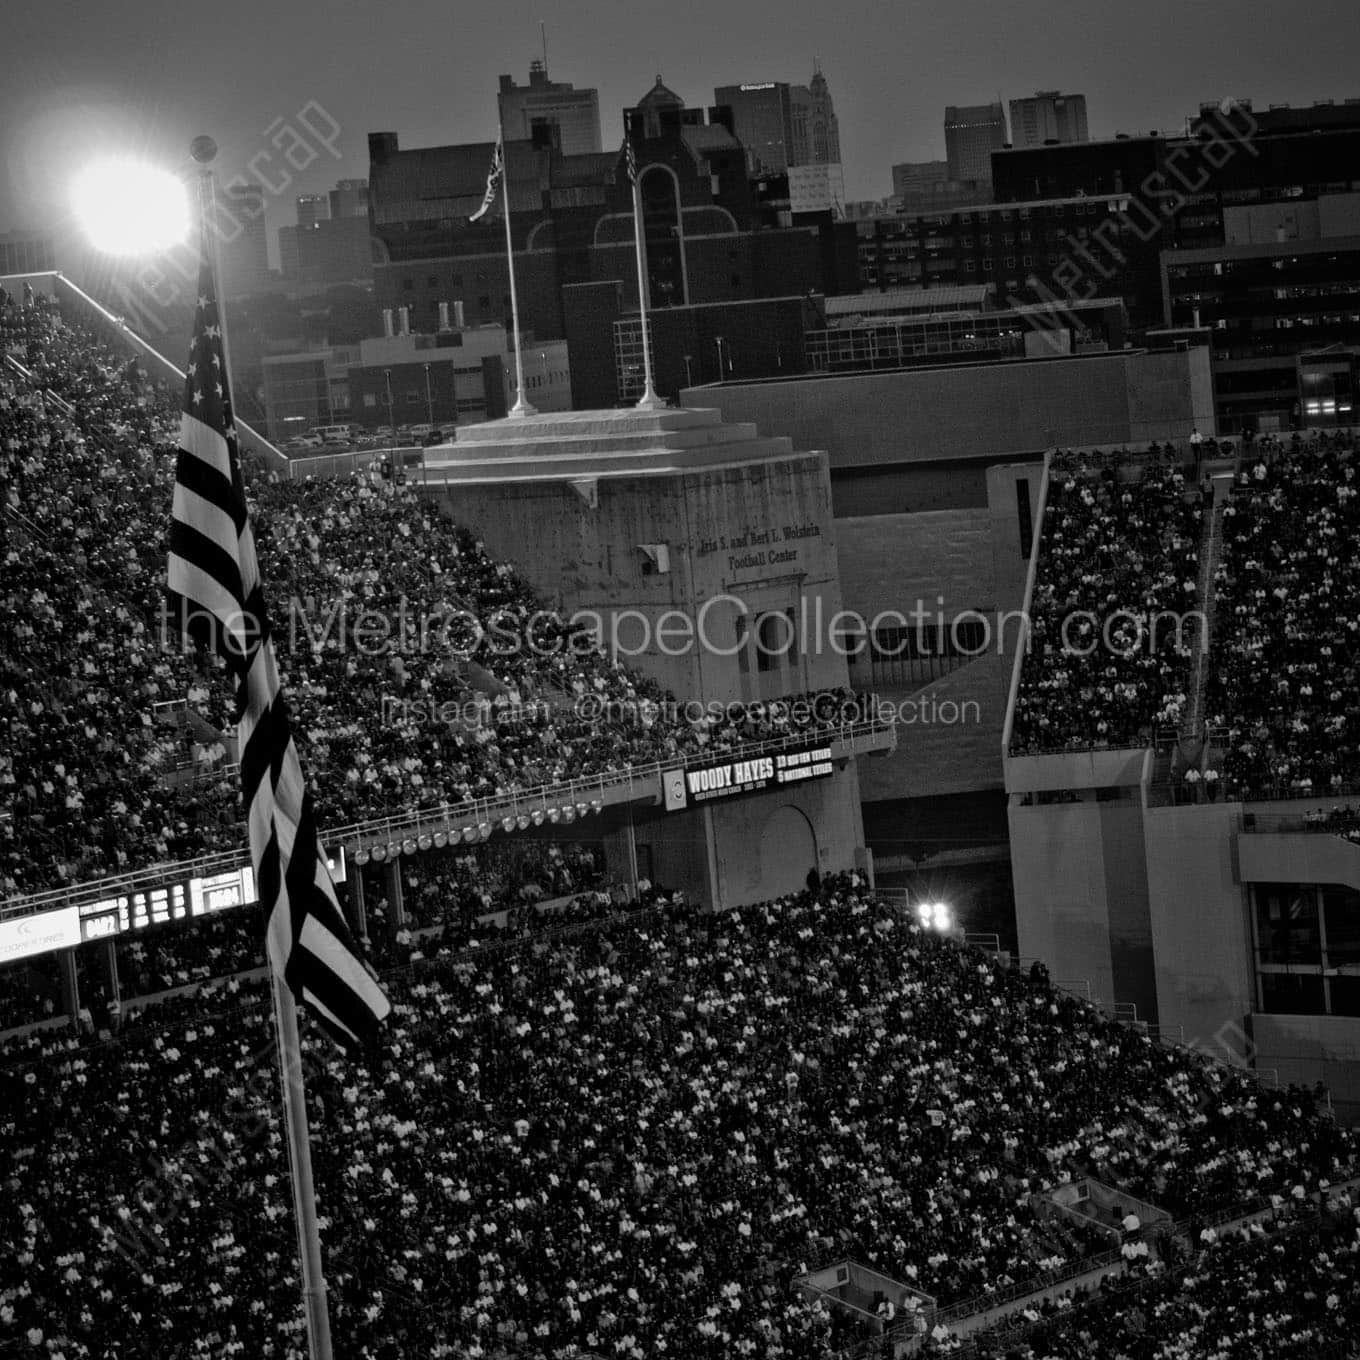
401	827
1031	575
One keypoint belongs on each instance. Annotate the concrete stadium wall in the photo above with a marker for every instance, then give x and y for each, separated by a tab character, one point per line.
584	558
759	850
1062	912
1310	1048
1199	921
973	411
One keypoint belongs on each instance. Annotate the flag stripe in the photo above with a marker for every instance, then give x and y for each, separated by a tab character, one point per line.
493	179
213	580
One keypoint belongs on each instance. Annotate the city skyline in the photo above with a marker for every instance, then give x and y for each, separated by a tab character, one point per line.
141	84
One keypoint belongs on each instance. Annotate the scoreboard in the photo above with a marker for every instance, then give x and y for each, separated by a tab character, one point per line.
174	902
64	927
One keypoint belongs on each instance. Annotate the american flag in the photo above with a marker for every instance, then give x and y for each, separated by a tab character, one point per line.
214	587
631	159
493	179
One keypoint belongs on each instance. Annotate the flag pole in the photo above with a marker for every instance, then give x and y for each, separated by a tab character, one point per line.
649	400
204	150
521	407
314	1301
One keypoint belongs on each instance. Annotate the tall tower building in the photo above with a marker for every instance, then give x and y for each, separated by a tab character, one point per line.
971	133
243	241
546	104
1048	117
762	121
816	133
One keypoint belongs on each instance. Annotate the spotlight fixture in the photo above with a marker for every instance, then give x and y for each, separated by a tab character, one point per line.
361	857
507	823
425	841
582	809
569	813
597	805
441	839
380	853
554	815
484	830
537	817
522	821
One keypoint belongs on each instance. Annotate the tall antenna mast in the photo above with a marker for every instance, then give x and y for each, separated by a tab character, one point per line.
543	31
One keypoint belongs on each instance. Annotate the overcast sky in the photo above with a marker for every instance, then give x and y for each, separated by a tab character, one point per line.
146	75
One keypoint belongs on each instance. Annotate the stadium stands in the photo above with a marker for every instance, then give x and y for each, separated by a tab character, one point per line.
626	1142
1283	681
1117	568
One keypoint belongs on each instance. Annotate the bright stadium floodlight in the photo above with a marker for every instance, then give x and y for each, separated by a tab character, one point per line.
127	207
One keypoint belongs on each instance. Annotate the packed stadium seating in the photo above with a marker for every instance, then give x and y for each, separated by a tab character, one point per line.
101	776
1117	566
1285	1291
1283	677
626	1142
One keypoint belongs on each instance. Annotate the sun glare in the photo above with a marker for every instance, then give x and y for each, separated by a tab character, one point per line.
127	207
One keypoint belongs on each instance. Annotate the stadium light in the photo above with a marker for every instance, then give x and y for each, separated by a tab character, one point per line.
380	852
441	839
507	823
361	857
128	207
935	916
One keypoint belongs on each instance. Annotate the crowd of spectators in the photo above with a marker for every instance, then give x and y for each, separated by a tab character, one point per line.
499	890
421	671
1115	606
1283	674
626	1142
1284	1289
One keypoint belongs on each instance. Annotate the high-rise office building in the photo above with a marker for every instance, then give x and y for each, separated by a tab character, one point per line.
971	133
349	198
1048	117
762	121
23	252
243	241
816	132
544	103
311	209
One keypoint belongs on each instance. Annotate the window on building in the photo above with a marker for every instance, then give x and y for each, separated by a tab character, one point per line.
408	285
1010	261
370	400
1027	261
484	302
986	264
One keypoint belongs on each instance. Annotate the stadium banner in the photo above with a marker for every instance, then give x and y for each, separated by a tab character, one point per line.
728	778
39	934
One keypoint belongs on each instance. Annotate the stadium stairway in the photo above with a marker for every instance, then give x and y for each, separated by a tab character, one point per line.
1211	545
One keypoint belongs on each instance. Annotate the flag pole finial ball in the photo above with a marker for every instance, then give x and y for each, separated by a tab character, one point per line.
203	150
